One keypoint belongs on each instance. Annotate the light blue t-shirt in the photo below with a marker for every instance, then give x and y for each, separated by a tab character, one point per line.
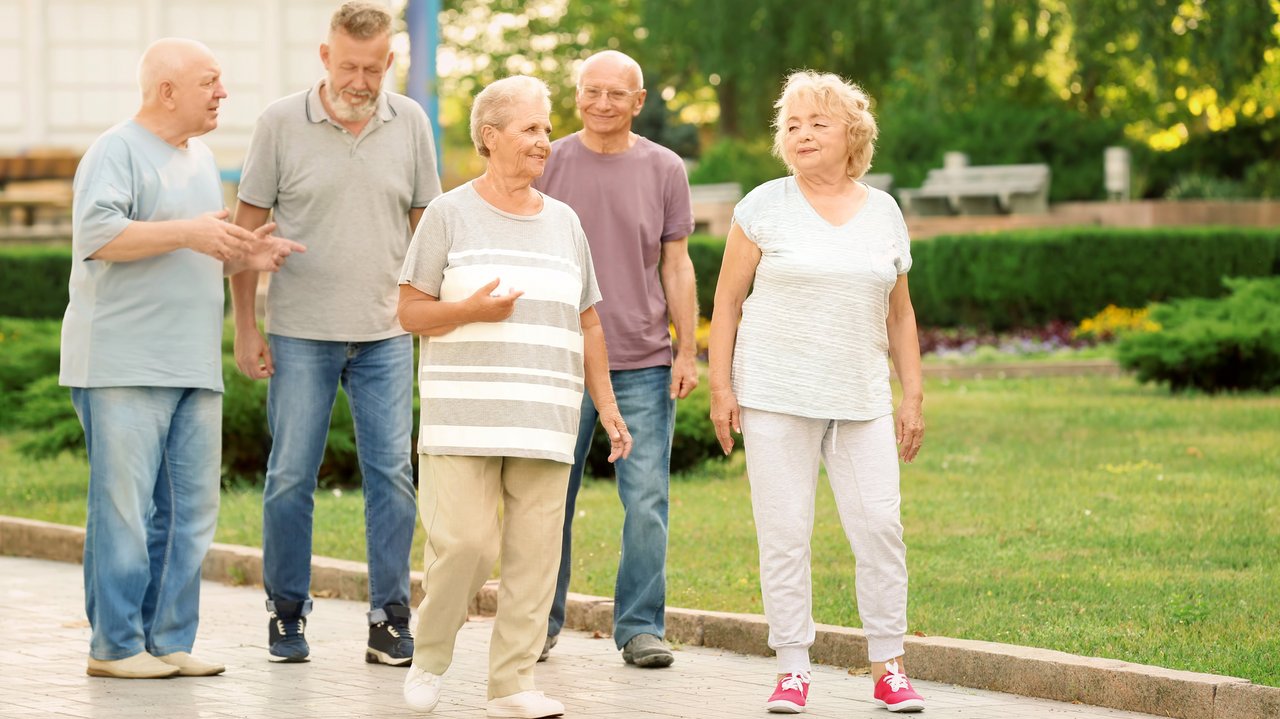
155	322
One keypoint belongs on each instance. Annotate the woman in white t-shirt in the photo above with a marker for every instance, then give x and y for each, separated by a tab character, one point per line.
805	376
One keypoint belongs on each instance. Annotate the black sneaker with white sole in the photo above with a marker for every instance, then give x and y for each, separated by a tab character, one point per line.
391	640
286	633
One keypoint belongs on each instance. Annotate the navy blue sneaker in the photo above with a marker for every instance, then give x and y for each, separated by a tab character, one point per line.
286	633
390	640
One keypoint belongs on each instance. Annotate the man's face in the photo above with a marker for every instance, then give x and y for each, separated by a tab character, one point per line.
609	97
197	93
355	70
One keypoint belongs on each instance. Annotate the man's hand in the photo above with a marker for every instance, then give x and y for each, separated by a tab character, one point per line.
210	234
266	252
684	375
253	355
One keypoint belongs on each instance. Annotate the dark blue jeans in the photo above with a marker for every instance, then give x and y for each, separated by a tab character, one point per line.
640	595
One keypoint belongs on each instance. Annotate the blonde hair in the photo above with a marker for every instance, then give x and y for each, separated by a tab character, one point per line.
837	98
492	107
361	20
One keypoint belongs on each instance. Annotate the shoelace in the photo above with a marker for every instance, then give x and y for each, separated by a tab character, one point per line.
796	681
295	626
399	629
897	680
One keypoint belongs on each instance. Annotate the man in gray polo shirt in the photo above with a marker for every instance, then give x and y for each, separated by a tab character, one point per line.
348	170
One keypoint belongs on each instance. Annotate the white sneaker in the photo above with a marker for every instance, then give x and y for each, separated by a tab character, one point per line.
525	705
421	689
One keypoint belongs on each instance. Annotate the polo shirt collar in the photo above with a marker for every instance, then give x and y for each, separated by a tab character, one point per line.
317	113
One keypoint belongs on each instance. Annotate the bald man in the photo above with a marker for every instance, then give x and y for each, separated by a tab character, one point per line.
632	196
141	352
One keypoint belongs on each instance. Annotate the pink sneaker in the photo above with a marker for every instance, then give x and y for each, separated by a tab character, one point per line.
789	696
894	692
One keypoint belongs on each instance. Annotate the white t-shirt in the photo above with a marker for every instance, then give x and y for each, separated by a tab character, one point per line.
813	340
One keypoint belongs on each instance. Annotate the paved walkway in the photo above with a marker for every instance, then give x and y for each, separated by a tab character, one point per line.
44	639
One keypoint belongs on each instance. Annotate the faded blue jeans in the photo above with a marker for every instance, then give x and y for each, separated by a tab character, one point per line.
378	379
154	474
643	479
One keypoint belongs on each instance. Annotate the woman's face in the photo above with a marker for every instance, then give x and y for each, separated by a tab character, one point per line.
522	147
814	142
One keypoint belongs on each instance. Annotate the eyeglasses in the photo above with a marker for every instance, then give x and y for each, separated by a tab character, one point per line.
594	93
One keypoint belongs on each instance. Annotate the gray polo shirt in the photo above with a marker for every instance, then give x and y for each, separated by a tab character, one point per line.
347	199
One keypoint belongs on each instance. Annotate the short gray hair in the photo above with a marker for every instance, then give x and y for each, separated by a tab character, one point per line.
492	107
361	19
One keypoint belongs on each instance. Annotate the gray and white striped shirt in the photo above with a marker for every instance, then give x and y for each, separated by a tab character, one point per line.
511	388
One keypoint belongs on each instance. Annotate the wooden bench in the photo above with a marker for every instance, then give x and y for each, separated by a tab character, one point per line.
713	206
980	190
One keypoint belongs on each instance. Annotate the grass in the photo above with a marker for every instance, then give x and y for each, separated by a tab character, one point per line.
1090	515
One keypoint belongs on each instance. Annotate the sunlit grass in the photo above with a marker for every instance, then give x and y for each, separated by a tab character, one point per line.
1090	515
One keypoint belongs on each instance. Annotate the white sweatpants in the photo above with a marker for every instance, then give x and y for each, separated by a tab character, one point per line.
782	454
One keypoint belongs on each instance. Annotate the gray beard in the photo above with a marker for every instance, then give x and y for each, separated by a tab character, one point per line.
346	111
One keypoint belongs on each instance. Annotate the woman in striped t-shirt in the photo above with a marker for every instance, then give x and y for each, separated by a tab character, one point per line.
498	280
805	377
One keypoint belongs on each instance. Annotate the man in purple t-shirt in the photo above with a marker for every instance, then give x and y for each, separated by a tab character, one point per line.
632	196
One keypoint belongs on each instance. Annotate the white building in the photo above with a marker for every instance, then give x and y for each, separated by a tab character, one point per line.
70	66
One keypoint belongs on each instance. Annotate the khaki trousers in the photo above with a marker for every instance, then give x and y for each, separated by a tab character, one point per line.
459	499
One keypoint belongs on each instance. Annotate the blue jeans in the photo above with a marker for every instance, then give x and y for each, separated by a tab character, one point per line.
378	379
643	479
154	474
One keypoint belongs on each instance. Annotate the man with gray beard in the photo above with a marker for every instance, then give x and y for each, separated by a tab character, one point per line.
347	169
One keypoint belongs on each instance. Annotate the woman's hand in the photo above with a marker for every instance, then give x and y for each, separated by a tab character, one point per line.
726	415
910	428
619	437
488	307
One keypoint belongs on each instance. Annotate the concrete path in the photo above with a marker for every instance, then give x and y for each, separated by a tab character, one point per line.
44	642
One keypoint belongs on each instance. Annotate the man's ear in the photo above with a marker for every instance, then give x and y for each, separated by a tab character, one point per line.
165	93
324	54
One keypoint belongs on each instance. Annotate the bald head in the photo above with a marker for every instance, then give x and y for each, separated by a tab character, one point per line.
171	60
611	63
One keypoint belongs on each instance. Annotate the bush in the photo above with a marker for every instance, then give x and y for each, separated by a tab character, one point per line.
30	349
33	280
694	441
706	253
1029	278
46	409
748	163
1196	186
1213	345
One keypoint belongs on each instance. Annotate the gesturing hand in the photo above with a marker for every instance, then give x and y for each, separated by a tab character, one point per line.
210	234
486	307
266	252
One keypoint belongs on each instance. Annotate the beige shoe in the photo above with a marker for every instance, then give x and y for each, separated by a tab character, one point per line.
138	666
189	666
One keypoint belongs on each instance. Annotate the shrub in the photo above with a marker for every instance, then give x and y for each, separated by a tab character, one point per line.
1213	345
748	163
1195	186
1113	322
33	280
46	409
30	349
706	253
1029	278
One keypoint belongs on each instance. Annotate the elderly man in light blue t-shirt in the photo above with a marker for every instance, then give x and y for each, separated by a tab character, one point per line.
141	352
347	169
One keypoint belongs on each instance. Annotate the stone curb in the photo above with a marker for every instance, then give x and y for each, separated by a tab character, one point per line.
1006	668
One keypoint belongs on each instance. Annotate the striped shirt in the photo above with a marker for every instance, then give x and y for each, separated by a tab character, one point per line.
511	388
813	340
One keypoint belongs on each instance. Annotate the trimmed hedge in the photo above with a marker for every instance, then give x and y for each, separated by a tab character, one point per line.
1031	278
1231	343
33	280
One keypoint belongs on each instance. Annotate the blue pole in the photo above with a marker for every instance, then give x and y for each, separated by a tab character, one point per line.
423	19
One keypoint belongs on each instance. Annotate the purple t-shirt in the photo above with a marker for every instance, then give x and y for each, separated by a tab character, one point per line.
629	204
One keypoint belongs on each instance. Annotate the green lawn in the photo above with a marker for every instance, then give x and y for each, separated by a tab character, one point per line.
1090	515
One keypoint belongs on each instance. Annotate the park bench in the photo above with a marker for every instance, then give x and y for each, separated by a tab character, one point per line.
713	206
980	190
35	188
